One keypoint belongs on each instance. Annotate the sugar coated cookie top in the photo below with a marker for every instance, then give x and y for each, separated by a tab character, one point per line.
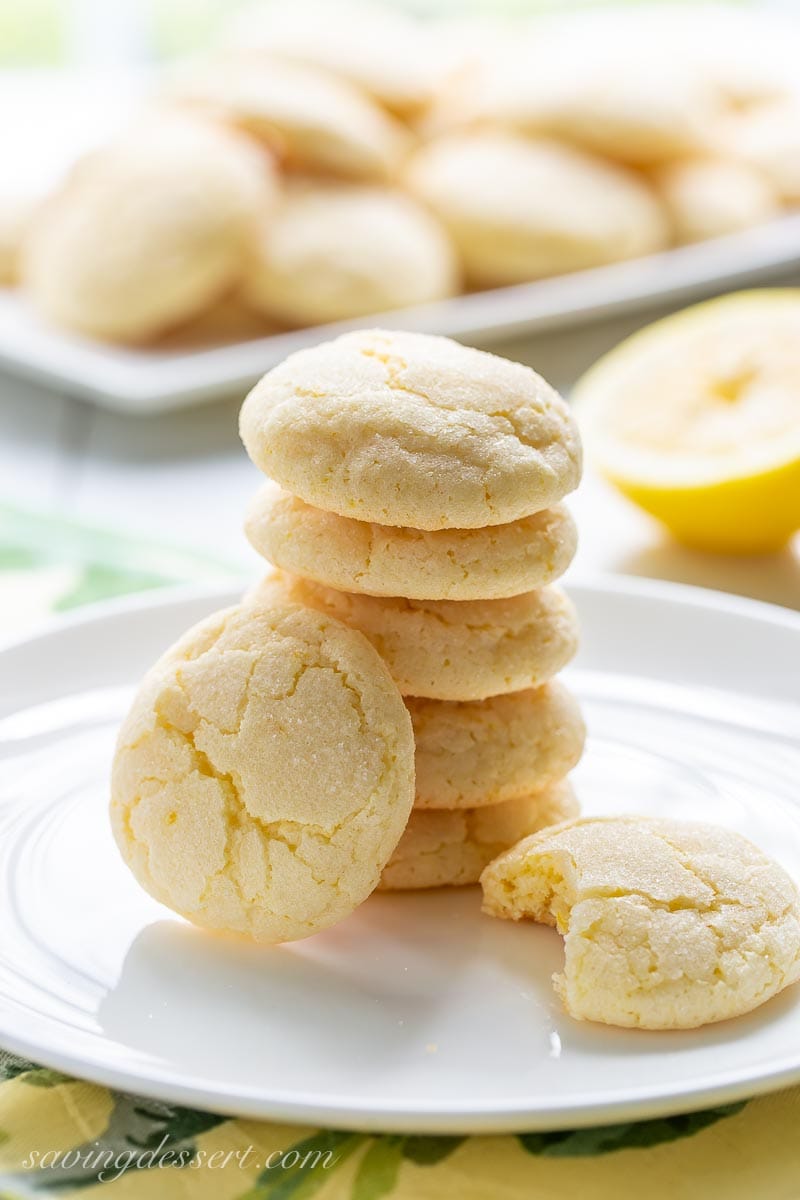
406	429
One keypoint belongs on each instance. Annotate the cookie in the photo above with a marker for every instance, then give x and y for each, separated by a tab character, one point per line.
406	429
489	751
229	319
385	560
448	849
149	232
390	58
335	251
264	774
768	139
638	102
519	209
449	649
312	121
707	198
666	924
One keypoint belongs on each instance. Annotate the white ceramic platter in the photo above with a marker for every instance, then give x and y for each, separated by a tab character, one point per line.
147	380
417	1013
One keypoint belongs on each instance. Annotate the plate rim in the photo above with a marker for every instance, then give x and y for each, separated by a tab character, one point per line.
723	1087
333	1112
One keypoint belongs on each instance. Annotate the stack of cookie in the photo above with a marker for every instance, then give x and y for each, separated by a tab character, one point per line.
415	497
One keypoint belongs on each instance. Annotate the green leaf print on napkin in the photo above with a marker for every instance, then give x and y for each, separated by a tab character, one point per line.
378	1169
307	1175
580	1143
14	1067
97	564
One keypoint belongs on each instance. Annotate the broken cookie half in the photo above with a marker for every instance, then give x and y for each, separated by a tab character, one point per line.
666	924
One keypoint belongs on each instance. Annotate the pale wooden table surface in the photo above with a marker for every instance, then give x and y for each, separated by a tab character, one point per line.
183	478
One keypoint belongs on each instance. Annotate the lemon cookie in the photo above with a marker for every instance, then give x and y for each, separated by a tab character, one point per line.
520	209
768	139
312	120
264	774
228	319
385	560
334	251
488	751
707	198
450	649
666	924
390	57
636	113
148	232
406	429
448	849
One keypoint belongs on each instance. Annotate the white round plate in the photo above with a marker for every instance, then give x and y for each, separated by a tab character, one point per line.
417	1013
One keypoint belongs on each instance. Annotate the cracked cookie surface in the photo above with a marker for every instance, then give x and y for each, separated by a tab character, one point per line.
484	752
264	773
666	924
449	649
449	849
410	430
384	560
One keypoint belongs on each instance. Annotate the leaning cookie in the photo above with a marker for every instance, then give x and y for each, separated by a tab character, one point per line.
449	649
149	232
666	924
333	251
264	773
520	209
449	849
384	560
407	429
489	751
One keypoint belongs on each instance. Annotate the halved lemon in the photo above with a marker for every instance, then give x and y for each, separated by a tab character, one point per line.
697	419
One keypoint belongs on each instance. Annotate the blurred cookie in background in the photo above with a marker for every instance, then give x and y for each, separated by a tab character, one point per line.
519	208
589	80
313	121
227	319
768	139
706	198
334	251
377	48
148	232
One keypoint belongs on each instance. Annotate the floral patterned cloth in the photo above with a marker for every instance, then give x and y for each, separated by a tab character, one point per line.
62	1135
